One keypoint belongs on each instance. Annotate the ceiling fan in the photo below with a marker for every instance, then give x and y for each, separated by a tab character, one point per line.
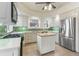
48	5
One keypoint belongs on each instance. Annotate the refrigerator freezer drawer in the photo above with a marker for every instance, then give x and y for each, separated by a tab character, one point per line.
69	43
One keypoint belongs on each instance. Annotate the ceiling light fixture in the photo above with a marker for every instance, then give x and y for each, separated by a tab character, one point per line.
47	7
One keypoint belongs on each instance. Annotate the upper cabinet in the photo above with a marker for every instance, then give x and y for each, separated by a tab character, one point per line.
4	8
8	13
5	12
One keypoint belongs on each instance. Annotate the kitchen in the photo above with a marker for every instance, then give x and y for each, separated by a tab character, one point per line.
30	31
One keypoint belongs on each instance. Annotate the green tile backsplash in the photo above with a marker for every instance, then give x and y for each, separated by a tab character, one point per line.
3	29
20	28
54	29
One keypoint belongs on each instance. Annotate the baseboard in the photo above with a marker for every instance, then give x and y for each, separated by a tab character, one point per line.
24	44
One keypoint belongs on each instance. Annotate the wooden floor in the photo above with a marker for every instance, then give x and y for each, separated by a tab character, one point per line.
31	50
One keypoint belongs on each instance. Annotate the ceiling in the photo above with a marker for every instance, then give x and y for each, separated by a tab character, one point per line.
38	7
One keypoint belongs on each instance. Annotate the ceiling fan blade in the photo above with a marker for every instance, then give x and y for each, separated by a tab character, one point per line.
53	6
43	8
40	3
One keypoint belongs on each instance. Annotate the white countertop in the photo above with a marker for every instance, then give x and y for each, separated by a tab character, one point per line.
47	34
20	32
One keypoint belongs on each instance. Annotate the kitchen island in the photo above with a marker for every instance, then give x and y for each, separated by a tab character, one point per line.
46	42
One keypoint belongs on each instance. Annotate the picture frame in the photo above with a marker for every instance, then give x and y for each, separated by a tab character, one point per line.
34	22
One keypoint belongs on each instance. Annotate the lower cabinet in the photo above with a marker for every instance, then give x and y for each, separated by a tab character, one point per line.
46	44
10	46
30	37
10	52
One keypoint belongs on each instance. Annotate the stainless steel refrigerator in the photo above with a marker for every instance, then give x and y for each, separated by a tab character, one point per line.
67	33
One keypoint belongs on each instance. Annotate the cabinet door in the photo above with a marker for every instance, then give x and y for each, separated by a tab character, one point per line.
34	36
5	52
4	9
5	12
30	37
25	38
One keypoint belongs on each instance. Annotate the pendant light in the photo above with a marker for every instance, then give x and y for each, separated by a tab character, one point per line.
49	7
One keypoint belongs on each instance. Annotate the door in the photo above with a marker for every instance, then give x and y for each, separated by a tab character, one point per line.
62	32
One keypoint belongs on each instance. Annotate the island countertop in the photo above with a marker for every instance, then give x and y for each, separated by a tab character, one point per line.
46	34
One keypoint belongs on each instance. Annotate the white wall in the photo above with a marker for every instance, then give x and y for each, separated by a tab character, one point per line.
77	29
23	20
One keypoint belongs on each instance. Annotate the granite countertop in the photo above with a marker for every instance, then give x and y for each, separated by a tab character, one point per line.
3	35
46	34
30	30
10	35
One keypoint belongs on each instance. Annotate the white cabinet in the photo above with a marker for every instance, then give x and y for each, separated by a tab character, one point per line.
10	52
27	37
10	47
57	38
5	12
3	7
30	37
46	43
34	36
